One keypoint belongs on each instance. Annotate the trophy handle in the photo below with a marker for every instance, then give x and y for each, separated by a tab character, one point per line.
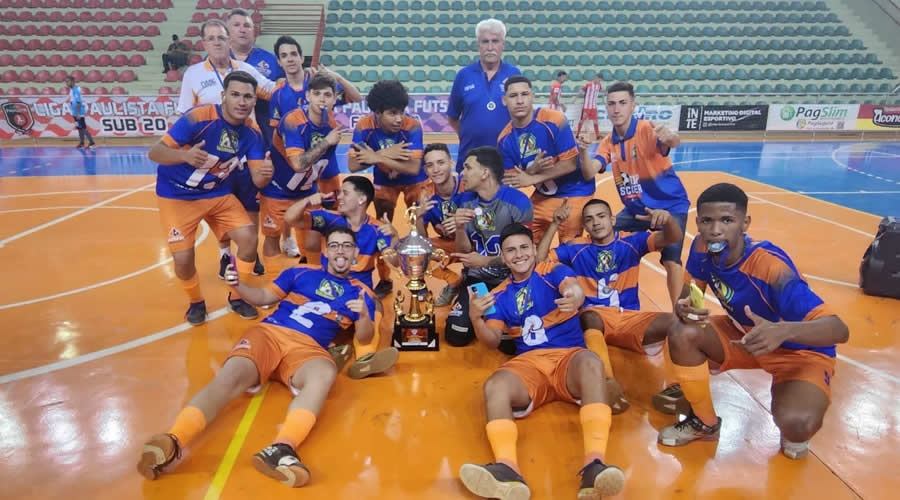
441	257
398	306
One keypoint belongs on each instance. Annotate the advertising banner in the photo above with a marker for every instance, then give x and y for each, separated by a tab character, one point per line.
658	114
430	110
812	117
723	118
878	117
106	116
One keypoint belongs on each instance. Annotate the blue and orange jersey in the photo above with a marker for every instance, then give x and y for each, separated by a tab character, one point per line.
443	208
765	279
370	241
608	274
368	131
549	132
295	135
643	175
508	206
286	98
527	312
226	144
314	302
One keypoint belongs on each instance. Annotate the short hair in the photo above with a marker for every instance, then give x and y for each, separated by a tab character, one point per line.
724	193
287	40
174	38
387	94
322	81
237	12
213	22
621	87
363	186
239	76
514	229
596	201
437	146
340	230
70	78
514	80
561	73
491	25
490	158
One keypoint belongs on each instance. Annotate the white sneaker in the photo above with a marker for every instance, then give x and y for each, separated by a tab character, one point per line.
794	451
289	247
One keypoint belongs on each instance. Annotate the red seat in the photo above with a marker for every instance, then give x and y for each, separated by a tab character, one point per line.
84	90
55	16
71	60
121	30
192	31
63	90
195	58
101	17
4	44
59	76
231	4
108	30
129	45
212	15
127	76
81	45
120	60
96	46
137	61
144	45
17	45
113	45
118	91
76	30
65	45
166	91
33	45
152	30
48	91
77	74
198	17
202	5
39	60
14	91
29	30
22	60
173	76
31	91
110	76
159	16
42	76
104	60
55	60
216	4
198	46
26	76
114	17
88	60
14	30
92	30
136	30
93	76
45	30
101	91
70	17
129	17
246	4
9	75
49	44
85	17
144	18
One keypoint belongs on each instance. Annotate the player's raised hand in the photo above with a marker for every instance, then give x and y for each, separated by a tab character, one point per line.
334	137
662	132
765	336
517	178
358	305
561	214
689	314
386	227
583	142
657	218
425	204
463	216
196	156
267	169
570	301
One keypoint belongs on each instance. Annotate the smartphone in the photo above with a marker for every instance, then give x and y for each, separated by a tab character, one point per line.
481	289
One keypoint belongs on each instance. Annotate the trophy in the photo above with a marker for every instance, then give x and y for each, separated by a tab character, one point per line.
414	329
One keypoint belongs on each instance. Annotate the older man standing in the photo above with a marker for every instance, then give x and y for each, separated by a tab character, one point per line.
476	110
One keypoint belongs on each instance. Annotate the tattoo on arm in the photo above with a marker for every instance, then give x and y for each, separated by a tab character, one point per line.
314	153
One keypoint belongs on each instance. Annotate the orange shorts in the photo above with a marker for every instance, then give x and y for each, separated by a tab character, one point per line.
180	218
625	328
271	214
543	371
589	114
278	352
783	364
544	206
410	192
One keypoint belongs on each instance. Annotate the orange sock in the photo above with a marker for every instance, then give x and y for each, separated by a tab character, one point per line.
363	349
272	263
668	368
245	274
597	344
189	423
192	288
502	435
296	427
695	385
595	421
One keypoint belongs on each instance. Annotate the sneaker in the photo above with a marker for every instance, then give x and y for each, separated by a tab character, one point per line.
383	289
689	429
242	308
615	396
92	147
340	354
446	297
196	313
599	480
160	451
373	363
224	261
794	451
494	481
258	268
666	400
289	247
281	463
80	146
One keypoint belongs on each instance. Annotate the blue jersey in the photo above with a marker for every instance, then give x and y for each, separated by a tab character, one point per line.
548	131
764	278
478	105
608	274
368	131
442	209
527	312
267	65
76	104
314	302
295	135
370	241
226	144
286	98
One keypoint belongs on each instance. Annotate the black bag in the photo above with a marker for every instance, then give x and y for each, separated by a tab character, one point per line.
879	272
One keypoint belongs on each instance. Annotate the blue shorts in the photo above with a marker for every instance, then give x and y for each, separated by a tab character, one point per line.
626	222
244	189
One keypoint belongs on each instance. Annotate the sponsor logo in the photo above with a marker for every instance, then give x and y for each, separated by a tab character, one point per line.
886	117
18	116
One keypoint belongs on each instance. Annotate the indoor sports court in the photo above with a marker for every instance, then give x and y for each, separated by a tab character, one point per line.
98	357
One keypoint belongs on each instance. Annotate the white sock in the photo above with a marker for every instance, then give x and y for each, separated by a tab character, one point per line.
225	252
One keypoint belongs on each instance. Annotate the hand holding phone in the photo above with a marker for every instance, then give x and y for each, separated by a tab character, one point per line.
482	290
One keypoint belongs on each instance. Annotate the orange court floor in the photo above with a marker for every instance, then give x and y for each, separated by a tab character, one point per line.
98	358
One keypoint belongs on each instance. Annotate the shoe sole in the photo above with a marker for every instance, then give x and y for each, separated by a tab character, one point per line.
609	482
381	362
294	478
482	483
682	441
666	404
153	458
615	396
232	309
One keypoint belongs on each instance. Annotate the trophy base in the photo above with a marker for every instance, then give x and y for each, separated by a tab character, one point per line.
419	336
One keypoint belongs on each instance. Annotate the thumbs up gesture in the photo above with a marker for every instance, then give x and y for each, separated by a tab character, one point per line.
386	227
358	305
267	169
196	156
765	336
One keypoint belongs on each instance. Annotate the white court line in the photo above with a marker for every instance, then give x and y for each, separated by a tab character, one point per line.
821	192
55	193
76	213
801	212
861	172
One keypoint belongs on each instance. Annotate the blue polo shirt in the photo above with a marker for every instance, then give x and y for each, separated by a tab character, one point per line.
478	105
267	64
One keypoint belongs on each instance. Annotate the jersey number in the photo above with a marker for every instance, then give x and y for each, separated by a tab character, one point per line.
533	332
217	168
318	308
306	178
605	292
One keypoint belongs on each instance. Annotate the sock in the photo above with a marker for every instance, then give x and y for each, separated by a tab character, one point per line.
189	423
668	368
695	385
296	427
502	434
245	274
272	263
597	344
225	252
595	421
192	288
578	132
370	348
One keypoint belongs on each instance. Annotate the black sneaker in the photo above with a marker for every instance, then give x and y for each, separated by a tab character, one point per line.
258	268
281	463
160	451
599	480
383	289
242	308
223	263
196	313
494	481
666	401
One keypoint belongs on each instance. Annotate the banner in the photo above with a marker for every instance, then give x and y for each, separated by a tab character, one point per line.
723	118
430	110
106	116
812	117
658	114
878	117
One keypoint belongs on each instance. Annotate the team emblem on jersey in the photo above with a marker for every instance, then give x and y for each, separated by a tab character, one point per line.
228	141
723	292
175	235
385	143
523	300
243	344
634	152
605	261
448	208
329	290
528	145
484	220
381	244
269	222
318	221
316	138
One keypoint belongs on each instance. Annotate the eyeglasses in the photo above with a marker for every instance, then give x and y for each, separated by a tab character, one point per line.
345	245
214	39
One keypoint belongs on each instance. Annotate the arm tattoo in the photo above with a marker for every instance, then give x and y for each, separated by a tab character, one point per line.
314	153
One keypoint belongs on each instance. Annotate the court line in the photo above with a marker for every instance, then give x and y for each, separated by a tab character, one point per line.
234	447
820	192
55	193
204	233
851	169
76	213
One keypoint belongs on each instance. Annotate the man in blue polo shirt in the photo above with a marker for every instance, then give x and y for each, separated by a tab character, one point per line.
476	110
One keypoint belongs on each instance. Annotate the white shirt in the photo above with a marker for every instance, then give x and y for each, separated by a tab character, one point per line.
202	84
